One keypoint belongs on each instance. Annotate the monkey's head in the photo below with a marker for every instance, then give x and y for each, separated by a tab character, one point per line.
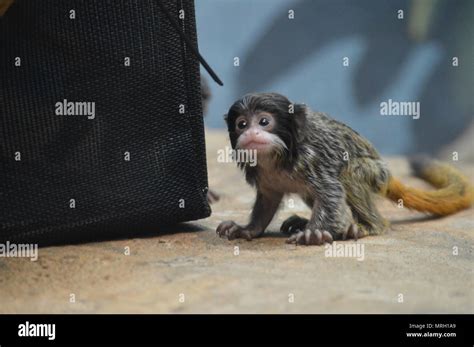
268	123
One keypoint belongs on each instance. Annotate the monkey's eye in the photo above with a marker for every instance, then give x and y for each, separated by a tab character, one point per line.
242	124
264	122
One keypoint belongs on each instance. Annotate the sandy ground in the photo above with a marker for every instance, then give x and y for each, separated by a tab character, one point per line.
413	268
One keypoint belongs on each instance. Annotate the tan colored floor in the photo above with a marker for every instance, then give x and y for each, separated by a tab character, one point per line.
415	258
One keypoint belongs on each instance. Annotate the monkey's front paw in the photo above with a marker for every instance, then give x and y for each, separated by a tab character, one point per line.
293	224
310	237
232	231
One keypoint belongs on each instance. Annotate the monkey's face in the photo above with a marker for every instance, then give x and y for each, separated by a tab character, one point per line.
254	132
265	122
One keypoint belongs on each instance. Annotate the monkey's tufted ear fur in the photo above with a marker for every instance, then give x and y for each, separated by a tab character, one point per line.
226	118
230	128
299	119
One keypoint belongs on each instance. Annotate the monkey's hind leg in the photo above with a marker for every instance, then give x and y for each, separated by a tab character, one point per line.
367	217
361	182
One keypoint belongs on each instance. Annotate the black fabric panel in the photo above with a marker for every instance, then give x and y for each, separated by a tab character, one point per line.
137	110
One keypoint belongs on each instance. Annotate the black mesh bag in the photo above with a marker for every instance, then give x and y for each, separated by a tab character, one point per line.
138	161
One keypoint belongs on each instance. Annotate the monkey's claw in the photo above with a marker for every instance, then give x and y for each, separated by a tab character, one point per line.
293	224
310	237
353	232
232	231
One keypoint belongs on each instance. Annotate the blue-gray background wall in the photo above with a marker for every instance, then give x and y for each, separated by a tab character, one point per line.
390	58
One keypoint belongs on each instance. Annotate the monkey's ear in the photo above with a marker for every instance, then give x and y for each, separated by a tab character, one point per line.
300	114
299	119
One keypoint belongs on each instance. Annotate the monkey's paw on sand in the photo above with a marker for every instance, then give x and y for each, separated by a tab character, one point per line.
420	265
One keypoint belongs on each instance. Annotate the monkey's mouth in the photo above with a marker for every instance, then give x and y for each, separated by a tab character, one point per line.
255	144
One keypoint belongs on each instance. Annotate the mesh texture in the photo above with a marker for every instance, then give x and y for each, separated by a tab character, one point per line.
66	157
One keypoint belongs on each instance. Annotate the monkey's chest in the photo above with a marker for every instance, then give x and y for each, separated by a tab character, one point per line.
281	181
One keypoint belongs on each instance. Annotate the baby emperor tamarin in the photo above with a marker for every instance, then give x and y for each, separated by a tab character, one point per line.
336	172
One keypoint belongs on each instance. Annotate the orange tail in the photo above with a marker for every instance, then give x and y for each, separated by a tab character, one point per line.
454	192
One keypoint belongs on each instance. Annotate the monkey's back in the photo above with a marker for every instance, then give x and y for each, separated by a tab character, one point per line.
342	152
333	134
